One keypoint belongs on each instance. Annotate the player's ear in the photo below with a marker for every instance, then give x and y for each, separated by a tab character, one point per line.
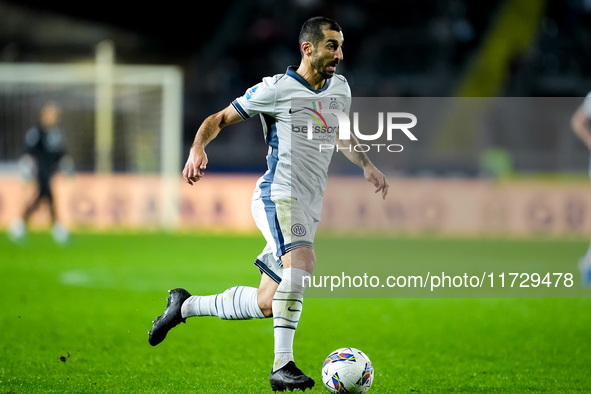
307	48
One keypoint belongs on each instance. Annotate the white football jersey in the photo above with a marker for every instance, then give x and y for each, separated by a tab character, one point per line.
286	103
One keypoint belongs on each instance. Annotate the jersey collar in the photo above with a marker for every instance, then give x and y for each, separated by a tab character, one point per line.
291	71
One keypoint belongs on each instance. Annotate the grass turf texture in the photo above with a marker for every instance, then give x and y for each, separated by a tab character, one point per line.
75	319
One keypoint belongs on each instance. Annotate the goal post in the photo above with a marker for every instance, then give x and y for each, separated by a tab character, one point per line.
146	107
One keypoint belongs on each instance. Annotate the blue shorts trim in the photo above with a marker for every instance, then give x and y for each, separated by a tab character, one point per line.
298	244
264	269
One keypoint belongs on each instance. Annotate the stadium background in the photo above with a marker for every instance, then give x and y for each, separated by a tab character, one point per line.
522	191
393	49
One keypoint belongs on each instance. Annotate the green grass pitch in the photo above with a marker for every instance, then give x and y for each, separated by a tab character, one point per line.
74	319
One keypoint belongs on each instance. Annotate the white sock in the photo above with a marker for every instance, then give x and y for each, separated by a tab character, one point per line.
60	233
237	303
17	228
287	308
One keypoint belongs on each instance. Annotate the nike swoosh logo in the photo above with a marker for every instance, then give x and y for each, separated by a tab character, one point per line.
293	310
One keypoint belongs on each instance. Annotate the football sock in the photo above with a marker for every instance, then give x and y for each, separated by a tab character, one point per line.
237	303
287	308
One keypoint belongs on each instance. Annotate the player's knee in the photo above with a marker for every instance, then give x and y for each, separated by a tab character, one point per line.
304	259
311	263
265	304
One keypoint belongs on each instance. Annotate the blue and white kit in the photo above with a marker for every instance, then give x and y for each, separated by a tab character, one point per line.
287	200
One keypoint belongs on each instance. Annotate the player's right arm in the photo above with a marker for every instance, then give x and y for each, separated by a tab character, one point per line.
580	124
258	99
209	129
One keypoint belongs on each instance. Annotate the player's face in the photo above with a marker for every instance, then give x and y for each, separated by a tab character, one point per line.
50	116
328	53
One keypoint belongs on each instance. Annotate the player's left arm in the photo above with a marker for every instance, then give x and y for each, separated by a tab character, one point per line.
370	171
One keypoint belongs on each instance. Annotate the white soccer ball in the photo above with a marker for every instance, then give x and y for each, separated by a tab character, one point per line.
347	371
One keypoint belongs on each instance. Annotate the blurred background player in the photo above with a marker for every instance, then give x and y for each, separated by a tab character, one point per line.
580	126
45	154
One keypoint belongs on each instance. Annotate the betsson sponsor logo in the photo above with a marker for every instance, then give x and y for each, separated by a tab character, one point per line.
344	129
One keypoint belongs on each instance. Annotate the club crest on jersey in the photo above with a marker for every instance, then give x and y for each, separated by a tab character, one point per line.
334	104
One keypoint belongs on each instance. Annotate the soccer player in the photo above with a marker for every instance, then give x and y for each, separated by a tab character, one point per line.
45	151
286	204
581	128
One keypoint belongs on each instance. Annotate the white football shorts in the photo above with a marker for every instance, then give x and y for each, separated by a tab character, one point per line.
286	226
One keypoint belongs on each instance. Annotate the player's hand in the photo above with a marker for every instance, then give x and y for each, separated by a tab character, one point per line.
378	179
195	165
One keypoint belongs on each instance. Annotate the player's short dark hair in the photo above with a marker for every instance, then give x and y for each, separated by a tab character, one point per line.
313	27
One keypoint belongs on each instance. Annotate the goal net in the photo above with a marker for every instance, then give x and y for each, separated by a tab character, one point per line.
116	119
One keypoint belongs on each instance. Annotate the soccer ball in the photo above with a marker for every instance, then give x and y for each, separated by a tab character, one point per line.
347	371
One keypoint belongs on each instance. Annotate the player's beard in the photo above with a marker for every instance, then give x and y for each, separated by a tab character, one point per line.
320	66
